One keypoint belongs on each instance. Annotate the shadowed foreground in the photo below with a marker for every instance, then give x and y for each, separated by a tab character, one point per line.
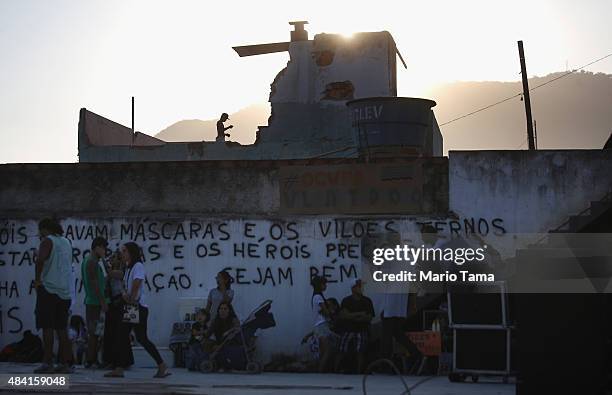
138	381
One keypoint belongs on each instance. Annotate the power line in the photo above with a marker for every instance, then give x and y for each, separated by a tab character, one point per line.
521	146
481	109
530	89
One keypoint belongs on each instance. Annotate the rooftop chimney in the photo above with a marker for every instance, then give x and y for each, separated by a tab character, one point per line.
299	34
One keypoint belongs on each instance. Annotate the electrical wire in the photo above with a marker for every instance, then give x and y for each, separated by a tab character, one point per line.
530	89
384	361
522	144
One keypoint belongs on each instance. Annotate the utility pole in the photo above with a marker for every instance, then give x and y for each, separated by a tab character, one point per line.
133	131
526	97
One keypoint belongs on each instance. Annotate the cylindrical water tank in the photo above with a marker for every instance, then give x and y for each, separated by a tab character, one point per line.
387	122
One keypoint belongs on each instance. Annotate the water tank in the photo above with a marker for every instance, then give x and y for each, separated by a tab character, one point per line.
391	126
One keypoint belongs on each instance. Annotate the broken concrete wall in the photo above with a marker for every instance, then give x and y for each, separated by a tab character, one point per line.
309	116
309	96
335	69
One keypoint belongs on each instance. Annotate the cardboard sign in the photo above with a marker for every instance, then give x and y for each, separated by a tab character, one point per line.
428	342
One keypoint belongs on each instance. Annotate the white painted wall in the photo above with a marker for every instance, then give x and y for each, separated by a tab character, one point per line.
163	252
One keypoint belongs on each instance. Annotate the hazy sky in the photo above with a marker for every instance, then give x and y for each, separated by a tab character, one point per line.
175	57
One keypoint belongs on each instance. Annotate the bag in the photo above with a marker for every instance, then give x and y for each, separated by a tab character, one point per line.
131	314
100	325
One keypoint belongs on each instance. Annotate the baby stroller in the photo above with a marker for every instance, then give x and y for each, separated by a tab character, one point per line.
237	350
179	342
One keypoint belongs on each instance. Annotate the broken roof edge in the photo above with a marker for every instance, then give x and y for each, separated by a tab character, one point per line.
96	130
339	36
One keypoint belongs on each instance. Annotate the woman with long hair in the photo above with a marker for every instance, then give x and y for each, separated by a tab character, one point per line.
224	322
117	349
223	293
225	329
135	294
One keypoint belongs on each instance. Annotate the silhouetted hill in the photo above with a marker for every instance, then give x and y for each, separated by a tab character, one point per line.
572	112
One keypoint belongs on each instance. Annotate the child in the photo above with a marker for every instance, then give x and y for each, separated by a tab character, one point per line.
198	346
77	334
333	308
203	317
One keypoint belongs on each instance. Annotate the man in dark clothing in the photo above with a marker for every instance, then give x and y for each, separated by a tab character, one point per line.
221	135
356	313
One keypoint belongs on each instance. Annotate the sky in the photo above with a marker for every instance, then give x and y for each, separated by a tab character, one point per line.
176	58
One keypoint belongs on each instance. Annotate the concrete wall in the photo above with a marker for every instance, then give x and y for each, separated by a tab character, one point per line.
533	191
195	218
192	220
239	188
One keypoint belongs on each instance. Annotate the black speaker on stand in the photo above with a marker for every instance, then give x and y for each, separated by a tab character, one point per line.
482	337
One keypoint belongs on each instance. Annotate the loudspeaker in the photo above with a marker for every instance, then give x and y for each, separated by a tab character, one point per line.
485	306
482	350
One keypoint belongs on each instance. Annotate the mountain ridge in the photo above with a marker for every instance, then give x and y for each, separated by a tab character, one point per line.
571	112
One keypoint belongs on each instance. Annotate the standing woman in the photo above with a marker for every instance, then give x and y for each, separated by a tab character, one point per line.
222	294
117	348
134	294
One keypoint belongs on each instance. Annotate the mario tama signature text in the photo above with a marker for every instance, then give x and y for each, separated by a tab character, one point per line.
443	257
431	276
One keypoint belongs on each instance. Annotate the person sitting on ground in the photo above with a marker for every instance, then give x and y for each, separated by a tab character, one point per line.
224	325
203	318
356	313
195	347
226	351
197	333
221	135
198	346
78	336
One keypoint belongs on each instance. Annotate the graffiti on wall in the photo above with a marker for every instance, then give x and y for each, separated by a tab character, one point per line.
268	259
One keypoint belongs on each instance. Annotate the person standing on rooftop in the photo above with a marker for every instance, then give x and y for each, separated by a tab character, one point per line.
221	135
